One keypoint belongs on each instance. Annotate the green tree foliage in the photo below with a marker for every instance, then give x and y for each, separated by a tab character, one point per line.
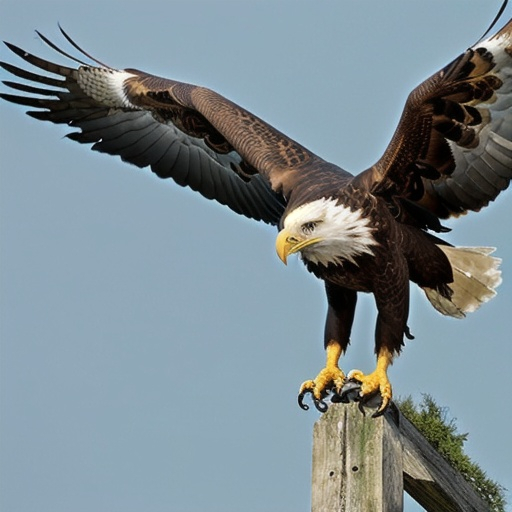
431	420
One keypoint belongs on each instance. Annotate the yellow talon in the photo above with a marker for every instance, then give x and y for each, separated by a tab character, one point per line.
376	382
331	378
327	379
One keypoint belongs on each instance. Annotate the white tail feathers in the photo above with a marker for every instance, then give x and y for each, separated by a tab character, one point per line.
475	277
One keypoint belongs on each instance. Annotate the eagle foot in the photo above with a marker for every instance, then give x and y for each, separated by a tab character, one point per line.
330	379
372	390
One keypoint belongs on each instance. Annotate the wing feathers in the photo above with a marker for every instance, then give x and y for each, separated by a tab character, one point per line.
155	130
29	88
27	75
498	153
458	125
46	65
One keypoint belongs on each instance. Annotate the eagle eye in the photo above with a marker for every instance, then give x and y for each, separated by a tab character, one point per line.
308	227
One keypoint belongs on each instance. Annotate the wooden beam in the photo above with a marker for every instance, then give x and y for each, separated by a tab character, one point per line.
430	480
363	464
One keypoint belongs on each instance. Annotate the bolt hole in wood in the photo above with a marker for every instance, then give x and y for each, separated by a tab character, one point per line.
355	468
331	473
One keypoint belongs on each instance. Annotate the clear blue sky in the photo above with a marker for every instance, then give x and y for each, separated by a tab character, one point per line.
152	341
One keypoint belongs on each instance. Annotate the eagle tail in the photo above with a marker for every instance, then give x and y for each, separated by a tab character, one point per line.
475	279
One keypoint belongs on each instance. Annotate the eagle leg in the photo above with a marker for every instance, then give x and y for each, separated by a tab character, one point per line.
330	378
375	383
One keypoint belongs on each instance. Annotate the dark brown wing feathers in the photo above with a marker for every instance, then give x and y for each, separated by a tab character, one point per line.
149	127
452	150
203	113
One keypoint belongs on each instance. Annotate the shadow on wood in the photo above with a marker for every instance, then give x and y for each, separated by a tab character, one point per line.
364	464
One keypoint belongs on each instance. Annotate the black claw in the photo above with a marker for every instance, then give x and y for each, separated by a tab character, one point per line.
381	410
360	406
300	400
320	405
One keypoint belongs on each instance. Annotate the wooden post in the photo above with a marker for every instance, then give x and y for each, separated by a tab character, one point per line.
357	463
363	464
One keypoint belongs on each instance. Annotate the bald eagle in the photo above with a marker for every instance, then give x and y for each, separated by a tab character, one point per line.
373	232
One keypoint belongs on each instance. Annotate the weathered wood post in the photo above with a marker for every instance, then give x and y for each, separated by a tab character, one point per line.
363	464
357	462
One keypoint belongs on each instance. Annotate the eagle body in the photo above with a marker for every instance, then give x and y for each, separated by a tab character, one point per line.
392	246
370	252
373	232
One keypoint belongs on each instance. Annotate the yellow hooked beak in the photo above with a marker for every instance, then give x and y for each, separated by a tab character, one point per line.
287	244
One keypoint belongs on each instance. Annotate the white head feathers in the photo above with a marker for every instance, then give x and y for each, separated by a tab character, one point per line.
344	233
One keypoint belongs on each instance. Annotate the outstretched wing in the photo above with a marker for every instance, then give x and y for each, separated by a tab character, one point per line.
452	149
182	131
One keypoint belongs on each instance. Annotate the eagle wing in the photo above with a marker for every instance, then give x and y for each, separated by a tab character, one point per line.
181	131
452	149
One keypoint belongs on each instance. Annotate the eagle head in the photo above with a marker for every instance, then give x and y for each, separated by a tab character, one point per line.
325	231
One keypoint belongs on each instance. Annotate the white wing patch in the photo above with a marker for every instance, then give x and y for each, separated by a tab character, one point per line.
105	86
